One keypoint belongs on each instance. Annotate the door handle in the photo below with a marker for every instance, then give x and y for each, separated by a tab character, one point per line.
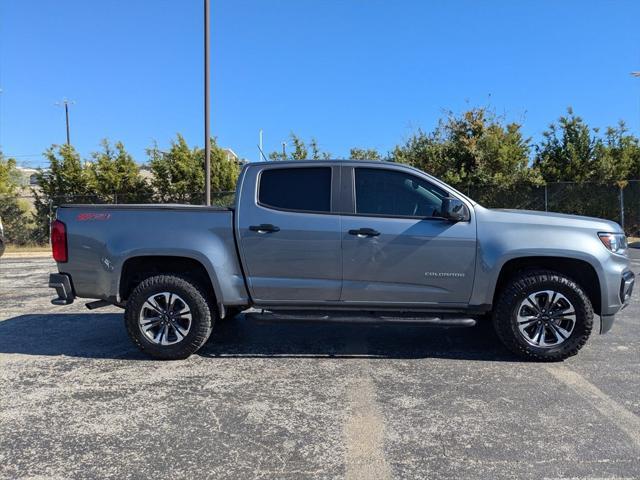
364	232
264	228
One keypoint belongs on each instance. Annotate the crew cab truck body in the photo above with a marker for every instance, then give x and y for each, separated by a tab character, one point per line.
342	236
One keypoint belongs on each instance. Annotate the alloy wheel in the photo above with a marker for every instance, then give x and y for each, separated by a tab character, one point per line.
165	318
545	318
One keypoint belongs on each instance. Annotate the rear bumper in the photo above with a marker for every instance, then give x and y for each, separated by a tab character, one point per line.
62	284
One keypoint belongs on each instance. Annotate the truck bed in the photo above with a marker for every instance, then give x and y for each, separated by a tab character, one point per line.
103	238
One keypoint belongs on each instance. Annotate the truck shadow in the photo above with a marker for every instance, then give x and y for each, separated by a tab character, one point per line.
103	336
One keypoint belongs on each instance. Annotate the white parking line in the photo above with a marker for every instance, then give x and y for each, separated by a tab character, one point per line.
624	419
364	432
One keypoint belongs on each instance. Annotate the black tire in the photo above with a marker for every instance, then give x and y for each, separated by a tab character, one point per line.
506	311
196	300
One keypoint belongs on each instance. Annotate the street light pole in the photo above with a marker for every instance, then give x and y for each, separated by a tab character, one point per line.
635	74
207	141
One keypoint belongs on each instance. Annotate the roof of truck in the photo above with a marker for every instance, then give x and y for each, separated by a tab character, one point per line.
297	162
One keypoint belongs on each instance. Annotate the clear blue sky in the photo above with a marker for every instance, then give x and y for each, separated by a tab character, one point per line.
350	73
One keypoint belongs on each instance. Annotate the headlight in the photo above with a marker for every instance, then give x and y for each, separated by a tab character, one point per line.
616	242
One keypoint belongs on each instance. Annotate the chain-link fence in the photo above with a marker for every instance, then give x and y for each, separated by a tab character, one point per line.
620	203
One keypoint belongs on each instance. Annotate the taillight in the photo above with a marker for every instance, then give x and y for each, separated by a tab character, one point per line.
59	241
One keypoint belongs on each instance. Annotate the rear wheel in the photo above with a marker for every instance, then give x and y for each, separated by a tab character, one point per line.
168	317
543	315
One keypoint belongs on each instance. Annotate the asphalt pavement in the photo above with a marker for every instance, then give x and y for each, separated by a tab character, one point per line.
293	400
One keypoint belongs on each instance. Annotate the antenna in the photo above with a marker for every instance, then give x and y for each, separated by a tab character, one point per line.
262	153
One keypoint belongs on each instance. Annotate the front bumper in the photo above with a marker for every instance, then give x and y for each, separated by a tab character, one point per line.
626	287
62	283
627	283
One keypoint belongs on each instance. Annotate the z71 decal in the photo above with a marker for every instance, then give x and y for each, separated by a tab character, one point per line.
85	217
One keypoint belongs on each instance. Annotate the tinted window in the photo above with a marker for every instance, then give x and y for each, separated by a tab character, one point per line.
296	188
389	192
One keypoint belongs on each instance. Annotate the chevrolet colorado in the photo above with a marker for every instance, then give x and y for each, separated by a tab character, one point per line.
344	237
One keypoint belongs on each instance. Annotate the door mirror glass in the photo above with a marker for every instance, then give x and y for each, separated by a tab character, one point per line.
455	210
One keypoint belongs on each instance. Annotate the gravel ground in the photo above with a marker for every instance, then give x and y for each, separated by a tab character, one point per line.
303	400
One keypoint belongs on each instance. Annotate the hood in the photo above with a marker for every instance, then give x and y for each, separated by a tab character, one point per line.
552	218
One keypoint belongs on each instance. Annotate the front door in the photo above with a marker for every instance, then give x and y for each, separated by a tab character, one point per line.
289	237
396	249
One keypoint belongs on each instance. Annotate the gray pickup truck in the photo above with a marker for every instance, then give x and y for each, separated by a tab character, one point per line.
346	238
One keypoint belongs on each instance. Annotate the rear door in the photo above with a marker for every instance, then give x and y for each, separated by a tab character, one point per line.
289	233
396	249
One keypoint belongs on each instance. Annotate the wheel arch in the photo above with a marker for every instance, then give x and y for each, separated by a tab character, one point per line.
580	271
137	268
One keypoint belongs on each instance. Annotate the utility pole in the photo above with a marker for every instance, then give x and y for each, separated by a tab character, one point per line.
207	142
284	150
635	74
66	104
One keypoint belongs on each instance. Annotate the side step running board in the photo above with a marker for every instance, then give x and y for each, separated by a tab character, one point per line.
361	317
97	304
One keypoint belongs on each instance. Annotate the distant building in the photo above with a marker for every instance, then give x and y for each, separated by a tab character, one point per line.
145	172
28	176
231	155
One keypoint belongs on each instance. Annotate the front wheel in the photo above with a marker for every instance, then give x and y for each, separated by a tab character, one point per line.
168	317
543	315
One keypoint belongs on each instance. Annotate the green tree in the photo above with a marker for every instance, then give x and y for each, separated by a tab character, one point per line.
115	176
301	151
65	181
178	174
364	154
276	156
475	147
14	213
618	157
8	184
224	169
569	151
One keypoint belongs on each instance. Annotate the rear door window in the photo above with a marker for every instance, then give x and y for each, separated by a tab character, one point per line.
306	189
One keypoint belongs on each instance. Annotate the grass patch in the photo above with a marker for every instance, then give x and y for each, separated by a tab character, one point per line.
27	248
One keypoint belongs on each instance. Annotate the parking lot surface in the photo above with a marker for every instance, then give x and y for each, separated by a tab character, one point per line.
292	400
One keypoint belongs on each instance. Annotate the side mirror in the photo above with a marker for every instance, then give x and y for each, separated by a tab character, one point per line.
455	210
